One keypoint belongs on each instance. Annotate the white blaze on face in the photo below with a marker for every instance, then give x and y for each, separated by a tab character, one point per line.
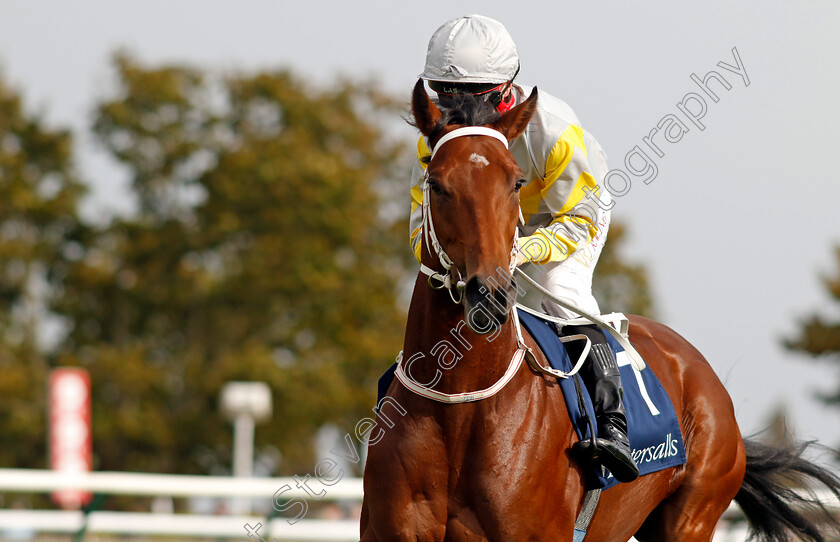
478	160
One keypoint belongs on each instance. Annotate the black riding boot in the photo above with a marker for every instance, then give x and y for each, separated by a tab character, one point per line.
603	380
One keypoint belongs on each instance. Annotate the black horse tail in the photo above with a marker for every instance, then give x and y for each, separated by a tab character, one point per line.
773	509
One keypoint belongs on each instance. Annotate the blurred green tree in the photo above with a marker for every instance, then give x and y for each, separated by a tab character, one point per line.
38	229
257	253
818	335
621	285
269	243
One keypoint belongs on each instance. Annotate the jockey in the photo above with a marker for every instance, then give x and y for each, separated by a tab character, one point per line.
564	226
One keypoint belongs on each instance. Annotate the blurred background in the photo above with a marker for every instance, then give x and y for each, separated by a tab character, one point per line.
199	193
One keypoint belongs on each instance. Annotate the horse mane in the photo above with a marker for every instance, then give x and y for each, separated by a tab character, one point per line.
462	109
466	110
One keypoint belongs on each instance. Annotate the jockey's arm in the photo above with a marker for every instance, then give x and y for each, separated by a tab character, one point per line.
416	219
567	177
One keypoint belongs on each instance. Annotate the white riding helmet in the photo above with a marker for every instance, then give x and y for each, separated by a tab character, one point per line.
471	49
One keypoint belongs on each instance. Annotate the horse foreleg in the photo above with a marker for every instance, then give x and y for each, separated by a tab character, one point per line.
366	533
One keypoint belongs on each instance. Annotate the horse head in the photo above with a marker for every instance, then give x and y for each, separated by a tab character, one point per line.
472	193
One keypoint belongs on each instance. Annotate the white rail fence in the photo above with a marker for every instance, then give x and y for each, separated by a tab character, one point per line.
171	524
731	529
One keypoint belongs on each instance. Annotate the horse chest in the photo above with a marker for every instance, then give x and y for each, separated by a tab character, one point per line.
485	461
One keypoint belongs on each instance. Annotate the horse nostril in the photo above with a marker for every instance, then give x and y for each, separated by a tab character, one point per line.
486	307
501	299
476	291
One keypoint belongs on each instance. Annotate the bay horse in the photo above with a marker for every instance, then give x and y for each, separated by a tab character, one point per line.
500	468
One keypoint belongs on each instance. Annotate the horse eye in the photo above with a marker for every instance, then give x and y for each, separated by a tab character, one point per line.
518	185
434	187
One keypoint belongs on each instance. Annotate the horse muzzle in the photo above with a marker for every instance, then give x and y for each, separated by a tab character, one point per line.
487	304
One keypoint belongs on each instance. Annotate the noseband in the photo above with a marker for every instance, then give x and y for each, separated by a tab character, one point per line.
438	280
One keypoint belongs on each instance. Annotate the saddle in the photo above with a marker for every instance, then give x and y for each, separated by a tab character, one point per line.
654	431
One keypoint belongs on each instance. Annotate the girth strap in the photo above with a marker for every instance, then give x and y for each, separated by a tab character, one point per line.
590	504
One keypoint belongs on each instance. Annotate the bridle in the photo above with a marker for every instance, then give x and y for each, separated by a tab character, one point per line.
437	280
456	286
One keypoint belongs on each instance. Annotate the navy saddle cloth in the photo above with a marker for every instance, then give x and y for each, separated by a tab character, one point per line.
652	425
653	429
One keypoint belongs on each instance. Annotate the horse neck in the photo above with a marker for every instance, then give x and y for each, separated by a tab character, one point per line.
444	347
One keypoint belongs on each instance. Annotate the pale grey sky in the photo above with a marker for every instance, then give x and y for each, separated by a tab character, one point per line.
739	222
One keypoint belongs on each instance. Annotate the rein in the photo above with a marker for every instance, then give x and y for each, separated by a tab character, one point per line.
635	359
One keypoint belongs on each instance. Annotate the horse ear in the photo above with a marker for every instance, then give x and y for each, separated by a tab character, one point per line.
425	112
513	123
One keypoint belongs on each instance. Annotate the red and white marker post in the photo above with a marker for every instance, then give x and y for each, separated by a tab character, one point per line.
71	449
